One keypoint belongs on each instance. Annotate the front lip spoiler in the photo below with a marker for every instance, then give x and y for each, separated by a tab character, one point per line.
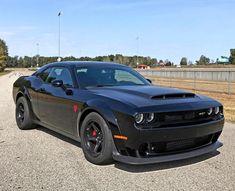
167	158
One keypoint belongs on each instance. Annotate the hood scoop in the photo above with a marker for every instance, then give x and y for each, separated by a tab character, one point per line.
174	96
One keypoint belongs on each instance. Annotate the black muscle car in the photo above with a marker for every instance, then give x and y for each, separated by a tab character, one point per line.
117	114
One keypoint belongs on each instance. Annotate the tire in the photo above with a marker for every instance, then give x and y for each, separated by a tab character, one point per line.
94	127
23	114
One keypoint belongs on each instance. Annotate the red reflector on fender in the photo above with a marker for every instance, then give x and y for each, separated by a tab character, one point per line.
120	137
75	108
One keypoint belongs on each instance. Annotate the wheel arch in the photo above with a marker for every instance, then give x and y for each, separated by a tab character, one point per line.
103	110
23	92
18	95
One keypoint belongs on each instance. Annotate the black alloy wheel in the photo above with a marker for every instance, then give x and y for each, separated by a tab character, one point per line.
20	114
93	138
96	139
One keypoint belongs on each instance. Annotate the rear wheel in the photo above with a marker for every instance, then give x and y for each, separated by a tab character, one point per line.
96	139
23	114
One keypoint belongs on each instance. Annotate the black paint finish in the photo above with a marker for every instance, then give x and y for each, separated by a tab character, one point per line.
177	123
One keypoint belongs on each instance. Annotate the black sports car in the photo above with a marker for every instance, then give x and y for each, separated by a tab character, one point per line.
117	114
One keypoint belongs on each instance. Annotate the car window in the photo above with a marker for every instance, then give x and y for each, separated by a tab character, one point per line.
124	76
44	74
108	76
60	73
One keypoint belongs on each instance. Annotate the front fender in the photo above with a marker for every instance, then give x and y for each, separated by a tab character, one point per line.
103	109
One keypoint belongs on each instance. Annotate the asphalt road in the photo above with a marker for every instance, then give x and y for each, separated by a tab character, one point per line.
43	160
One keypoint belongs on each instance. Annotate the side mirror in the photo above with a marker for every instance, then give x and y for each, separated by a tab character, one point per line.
150	81
57	83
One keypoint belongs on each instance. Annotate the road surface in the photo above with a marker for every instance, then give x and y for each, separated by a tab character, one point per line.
40	159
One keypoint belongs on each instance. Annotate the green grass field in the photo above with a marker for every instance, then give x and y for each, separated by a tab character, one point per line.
5	72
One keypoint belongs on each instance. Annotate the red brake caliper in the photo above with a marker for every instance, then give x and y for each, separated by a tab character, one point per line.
94	133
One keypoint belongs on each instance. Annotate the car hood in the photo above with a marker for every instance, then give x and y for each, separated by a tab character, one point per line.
151	96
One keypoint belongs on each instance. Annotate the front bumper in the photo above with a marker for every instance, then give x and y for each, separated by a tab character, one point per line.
166	158
145	146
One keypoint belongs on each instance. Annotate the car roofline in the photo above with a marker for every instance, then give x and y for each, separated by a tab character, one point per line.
85	63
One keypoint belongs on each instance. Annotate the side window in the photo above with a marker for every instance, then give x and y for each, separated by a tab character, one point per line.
44	74
60	73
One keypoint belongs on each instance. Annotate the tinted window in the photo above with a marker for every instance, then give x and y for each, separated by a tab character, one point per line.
124	76
60	73
108	76
44	74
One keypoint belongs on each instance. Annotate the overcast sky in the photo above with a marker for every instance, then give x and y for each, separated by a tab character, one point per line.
167	29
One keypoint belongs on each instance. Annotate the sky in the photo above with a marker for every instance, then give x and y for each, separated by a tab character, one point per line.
166	29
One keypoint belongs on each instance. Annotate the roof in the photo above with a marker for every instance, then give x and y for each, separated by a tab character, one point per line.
85	63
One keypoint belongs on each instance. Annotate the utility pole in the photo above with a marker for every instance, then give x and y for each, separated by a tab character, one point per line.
59	58
137	48
37	54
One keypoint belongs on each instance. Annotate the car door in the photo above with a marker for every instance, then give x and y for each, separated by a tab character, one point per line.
55	105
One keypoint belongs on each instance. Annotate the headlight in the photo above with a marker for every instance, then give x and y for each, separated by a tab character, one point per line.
139	118
150	117
217	110
209	111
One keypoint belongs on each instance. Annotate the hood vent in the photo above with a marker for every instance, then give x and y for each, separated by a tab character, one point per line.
174	96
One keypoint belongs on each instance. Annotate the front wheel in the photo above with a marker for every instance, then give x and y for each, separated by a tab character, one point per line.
96	139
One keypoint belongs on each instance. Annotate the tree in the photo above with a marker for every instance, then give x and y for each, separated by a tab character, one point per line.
184	61
168	63
3	54
190	63
203	60
232	56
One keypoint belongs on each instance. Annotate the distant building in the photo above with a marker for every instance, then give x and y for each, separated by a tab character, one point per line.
143	66
223	60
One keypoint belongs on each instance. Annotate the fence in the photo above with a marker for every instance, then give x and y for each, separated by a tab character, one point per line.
216	80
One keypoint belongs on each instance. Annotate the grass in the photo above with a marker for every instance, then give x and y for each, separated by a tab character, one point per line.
4	72
228	102
213	89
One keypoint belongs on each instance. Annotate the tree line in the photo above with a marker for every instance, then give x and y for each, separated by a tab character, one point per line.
203	60
38	61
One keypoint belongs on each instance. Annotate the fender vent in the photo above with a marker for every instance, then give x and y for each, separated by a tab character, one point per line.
174	96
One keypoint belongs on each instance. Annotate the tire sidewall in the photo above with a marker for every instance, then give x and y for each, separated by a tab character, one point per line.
27	123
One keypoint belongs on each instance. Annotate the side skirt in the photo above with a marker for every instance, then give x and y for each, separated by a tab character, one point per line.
58	131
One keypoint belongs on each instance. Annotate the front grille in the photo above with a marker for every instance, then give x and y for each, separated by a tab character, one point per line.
167	119
180	118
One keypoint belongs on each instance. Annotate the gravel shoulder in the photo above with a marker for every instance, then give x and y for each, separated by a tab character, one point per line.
40	159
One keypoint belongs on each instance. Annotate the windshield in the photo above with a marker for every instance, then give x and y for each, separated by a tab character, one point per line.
98	76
